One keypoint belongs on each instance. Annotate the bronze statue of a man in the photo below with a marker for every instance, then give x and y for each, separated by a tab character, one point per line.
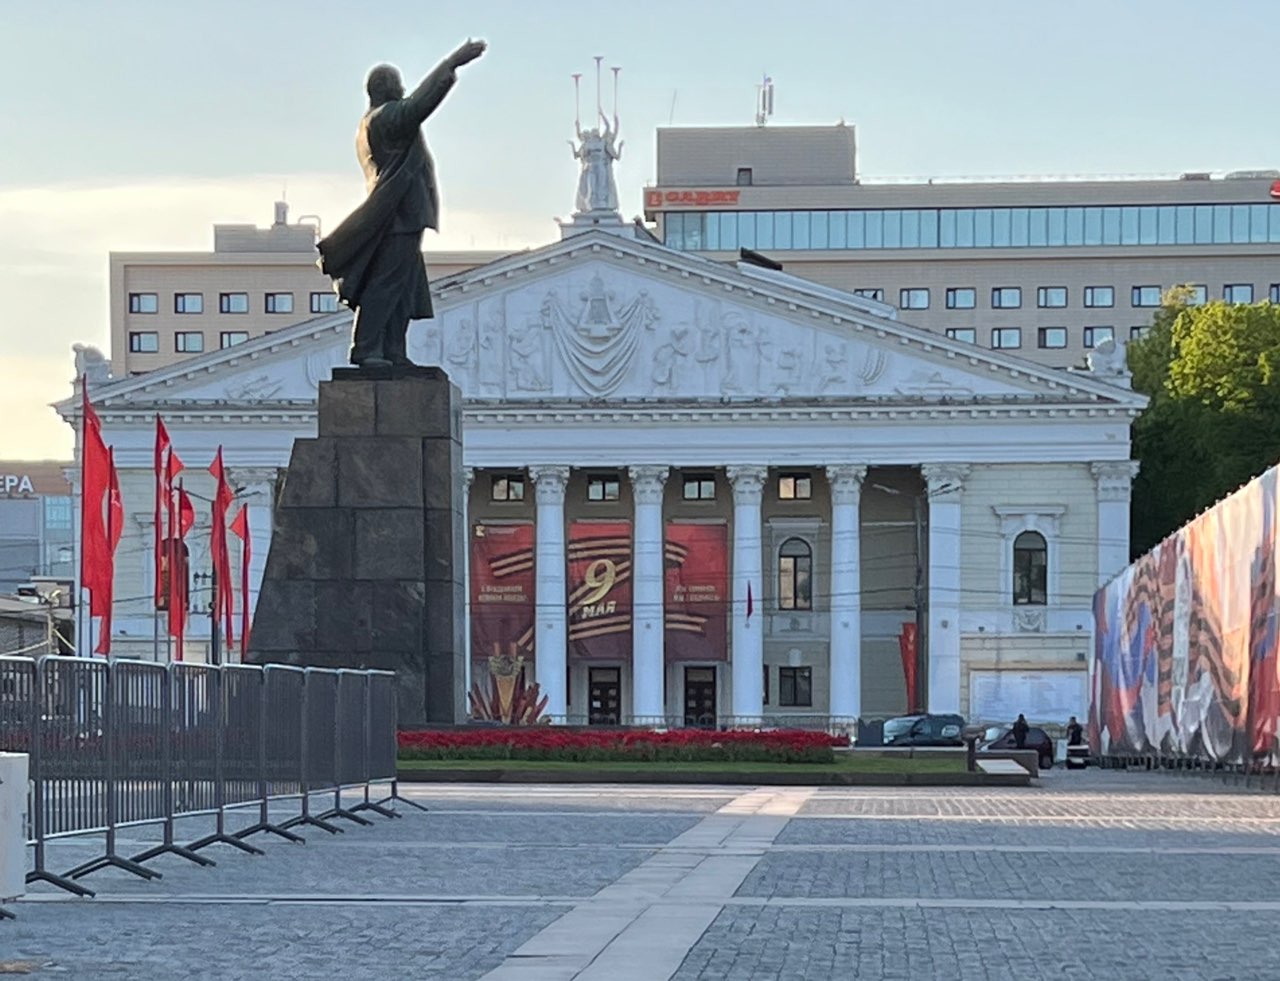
375	256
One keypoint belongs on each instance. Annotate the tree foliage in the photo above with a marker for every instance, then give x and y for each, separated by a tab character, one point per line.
1213	375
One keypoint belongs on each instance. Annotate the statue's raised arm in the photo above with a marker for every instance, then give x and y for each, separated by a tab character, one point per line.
375	256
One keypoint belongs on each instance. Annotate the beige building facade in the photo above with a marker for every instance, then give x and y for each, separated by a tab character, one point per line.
1045	269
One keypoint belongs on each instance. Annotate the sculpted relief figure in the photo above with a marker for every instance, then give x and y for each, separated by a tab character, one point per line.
743	360
461	349
528	357
375	256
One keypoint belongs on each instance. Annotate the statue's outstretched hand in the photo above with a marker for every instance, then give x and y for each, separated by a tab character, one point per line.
467	53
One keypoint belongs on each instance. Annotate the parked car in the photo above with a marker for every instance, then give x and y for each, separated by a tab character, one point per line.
924	730
1000	738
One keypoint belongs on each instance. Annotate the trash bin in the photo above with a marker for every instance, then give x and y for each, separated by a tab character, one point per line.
13	825
1077	757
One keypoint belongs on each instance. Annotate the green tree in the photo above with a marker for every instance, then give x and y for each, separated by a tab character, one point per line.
1213	375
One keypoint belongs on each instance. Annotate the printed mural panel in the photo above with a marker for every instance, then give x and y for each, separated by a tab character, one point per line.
1185	652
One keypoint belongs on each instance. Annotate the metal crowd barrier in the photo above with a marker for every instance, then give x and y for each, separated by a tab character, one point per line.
120	743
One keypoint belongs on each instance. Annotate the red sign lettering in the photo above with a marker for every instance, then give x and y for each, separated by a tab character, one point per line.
694	198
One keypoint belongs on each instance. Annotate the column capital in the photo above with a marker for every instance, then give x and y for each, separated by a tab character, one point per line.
945	480
647	483
846	482
1114	478
748	482
549	482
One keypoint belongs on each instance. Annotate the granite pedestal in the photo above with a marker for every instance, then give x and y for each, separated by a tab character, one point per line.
365	568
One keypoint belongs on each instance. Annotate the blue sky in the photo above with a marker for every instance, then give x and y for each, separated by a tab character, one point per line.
137	125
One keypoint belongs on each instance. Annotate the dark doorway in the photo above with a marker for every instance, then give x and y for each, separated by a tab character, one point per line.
604	696
700	697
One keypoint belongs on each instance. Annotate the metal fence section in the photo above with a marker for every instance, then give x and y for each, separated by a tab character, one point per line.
118	743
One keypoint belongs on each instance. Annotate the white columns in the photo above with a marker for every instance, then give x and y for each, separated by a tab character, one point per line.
552	635
846	590
647	577
1114	479
945	482
748	632
464	502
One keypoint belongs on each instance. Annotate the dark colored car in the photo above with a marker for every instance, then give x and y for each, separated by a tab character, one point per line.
924	730
1037	739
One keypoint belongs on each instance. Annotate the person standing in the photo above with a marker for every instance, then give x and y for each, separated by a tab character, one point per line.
1020	730
1075	733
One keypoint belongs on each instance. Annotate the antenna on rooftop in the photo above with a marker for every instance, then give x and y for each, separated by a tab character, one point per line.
764	101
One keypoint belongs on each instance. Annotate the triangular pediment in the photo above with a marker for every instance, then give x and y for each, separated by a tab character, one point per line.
598	317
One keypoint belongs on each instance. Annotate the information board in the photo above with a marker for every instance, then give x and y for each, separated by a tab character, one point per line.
1042	696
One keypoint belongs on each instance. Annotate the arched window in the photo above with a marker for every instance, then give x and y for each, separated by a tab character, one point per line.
795	575
1030	569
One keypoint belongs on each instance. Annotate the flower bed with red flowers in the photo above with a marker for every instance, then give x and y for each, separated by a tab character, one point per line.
586	745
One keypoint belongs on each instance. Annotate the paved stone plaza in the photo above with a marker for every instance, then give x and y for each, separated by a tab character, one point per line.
1088	875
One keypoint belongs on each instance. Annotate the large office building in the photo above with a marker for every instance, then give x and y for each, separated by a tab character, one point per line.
166	306
1045	269
36	536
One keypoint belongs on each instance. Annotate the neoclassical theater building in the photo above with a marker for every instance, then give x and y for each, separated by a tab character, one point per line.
701	489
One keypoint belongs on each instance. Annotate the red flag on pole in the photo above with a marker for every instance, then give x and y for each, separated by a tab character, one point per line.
223	589
95	478
114	529
182	515
240	528
158	460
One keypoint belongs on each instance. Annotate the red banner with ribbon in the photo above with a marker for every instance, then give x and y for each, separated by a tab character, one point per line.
697	592
502	590
599	590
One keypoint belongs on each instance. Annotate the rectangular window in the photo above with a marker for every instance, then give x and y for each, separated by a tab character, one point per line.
1052	338
506	488
188	303
1274	294
699	487
324	302
1145	296
57	513
1006	338
870	294
1198	295
795	487
1139	332
1093	336
962	298
602	488
766	684
1006	298
143	303
1051	297
230	338
233	302
966	334
279	303
1238	292
1099	296
795	687
143	342
913	299
188	342
744	177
